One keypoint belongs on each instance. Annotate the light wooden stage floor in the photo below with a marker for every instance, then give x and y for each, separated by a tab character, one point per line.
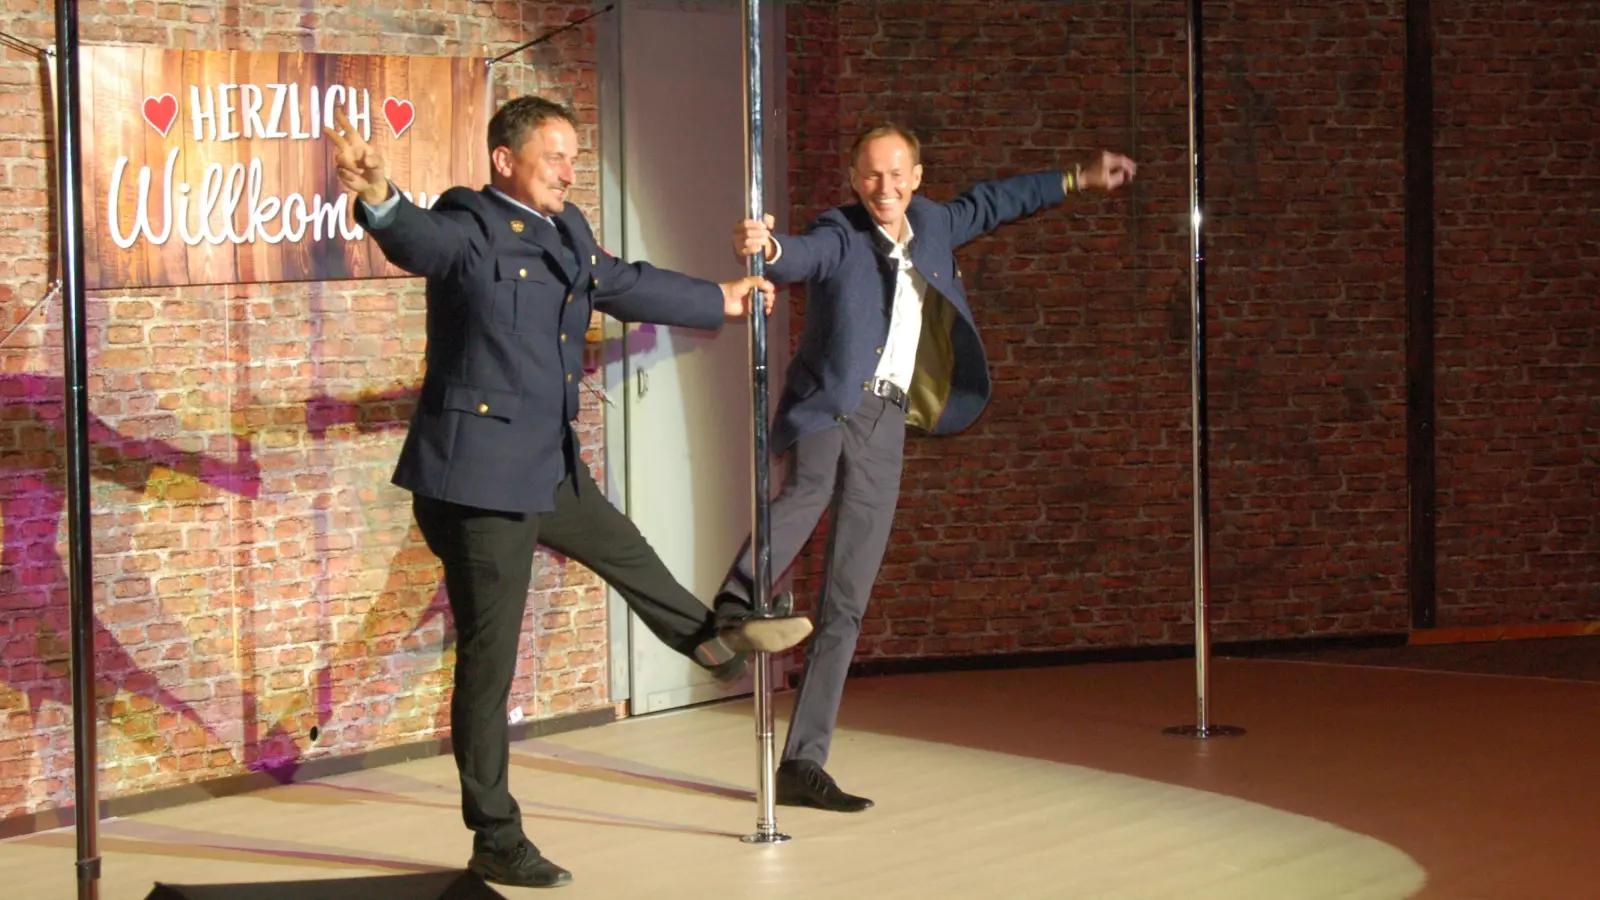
1036	783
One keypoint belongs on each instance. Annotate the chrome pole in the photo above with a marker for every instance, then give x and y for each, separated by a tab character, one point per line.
1197	388
761	531
80	535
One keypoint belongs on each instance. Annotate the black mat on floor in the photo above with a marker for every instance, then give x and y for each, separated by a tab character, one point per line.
451	885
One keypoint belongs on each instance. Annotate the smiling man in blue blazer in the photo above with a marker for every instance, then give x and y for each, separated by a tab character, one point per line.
491	459
889	341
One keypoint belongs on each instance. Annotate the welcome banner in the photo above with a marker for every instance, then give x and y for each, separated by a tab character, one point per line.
213	167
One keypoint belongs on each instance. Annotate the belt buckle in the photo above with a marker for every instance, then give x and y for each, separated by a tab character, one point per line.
889	391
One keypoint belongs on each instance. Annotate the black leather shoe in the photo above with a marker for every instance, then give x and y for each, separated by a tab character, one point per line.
804	783
520	866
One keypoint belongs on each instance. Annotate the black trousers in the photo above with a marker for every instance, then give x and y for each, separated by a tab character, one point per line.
488	568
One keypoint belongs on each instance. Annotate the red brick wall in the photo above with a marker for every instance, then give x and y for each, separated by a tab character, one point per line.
1062	519
1309	288
1032	529
255	574
1518	181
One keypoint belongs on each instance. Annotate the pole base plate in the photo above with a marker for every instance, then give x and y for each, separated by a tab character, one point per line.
1203	732
762	837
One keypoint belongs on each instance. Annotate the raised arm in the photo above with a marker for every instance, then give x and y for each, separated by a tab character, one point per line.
988	205
640	292
432	243
794	257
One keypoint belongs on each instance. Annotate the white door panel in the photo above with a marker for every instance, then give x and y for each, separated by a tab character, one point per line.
686	394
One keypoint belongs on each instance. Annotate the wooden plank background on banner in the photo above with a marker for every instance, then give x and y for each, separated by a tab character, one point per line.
252	196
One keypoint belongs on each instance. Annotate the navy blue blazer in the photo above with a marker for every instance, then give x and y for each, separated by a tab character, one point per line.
843	258
508	307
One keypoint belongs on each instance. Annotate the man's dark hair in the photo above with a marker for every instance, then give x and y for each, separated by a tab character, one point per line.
886	129
513	121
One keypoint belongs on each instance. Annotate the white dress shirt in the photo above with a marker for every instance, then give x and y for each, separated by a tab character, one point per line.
899	360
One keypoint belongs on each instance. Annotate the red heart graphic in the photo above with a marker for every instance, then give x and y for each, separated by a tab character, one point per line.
399	113
161	112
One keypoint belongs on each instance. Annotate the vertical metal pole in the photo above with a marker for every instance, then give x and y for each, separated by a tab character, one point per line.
80	537
1197	387
761	531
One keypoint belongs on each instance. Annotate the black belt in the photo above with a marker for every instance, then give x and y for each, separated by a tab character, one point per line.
888	390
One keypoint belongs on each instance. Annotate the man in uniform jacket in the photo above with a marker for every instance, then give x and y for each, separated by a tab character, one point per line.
889	341
491	459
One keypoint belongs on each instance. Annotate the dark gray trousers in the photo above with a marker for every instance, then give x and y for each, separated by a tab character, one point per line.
853	471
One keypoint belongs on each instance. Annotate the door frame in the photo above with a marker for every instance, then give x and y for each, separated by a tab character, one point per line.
618	369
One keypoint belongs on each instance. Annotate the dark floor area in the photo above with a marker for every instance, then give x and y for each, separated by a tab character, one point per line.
1569	659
